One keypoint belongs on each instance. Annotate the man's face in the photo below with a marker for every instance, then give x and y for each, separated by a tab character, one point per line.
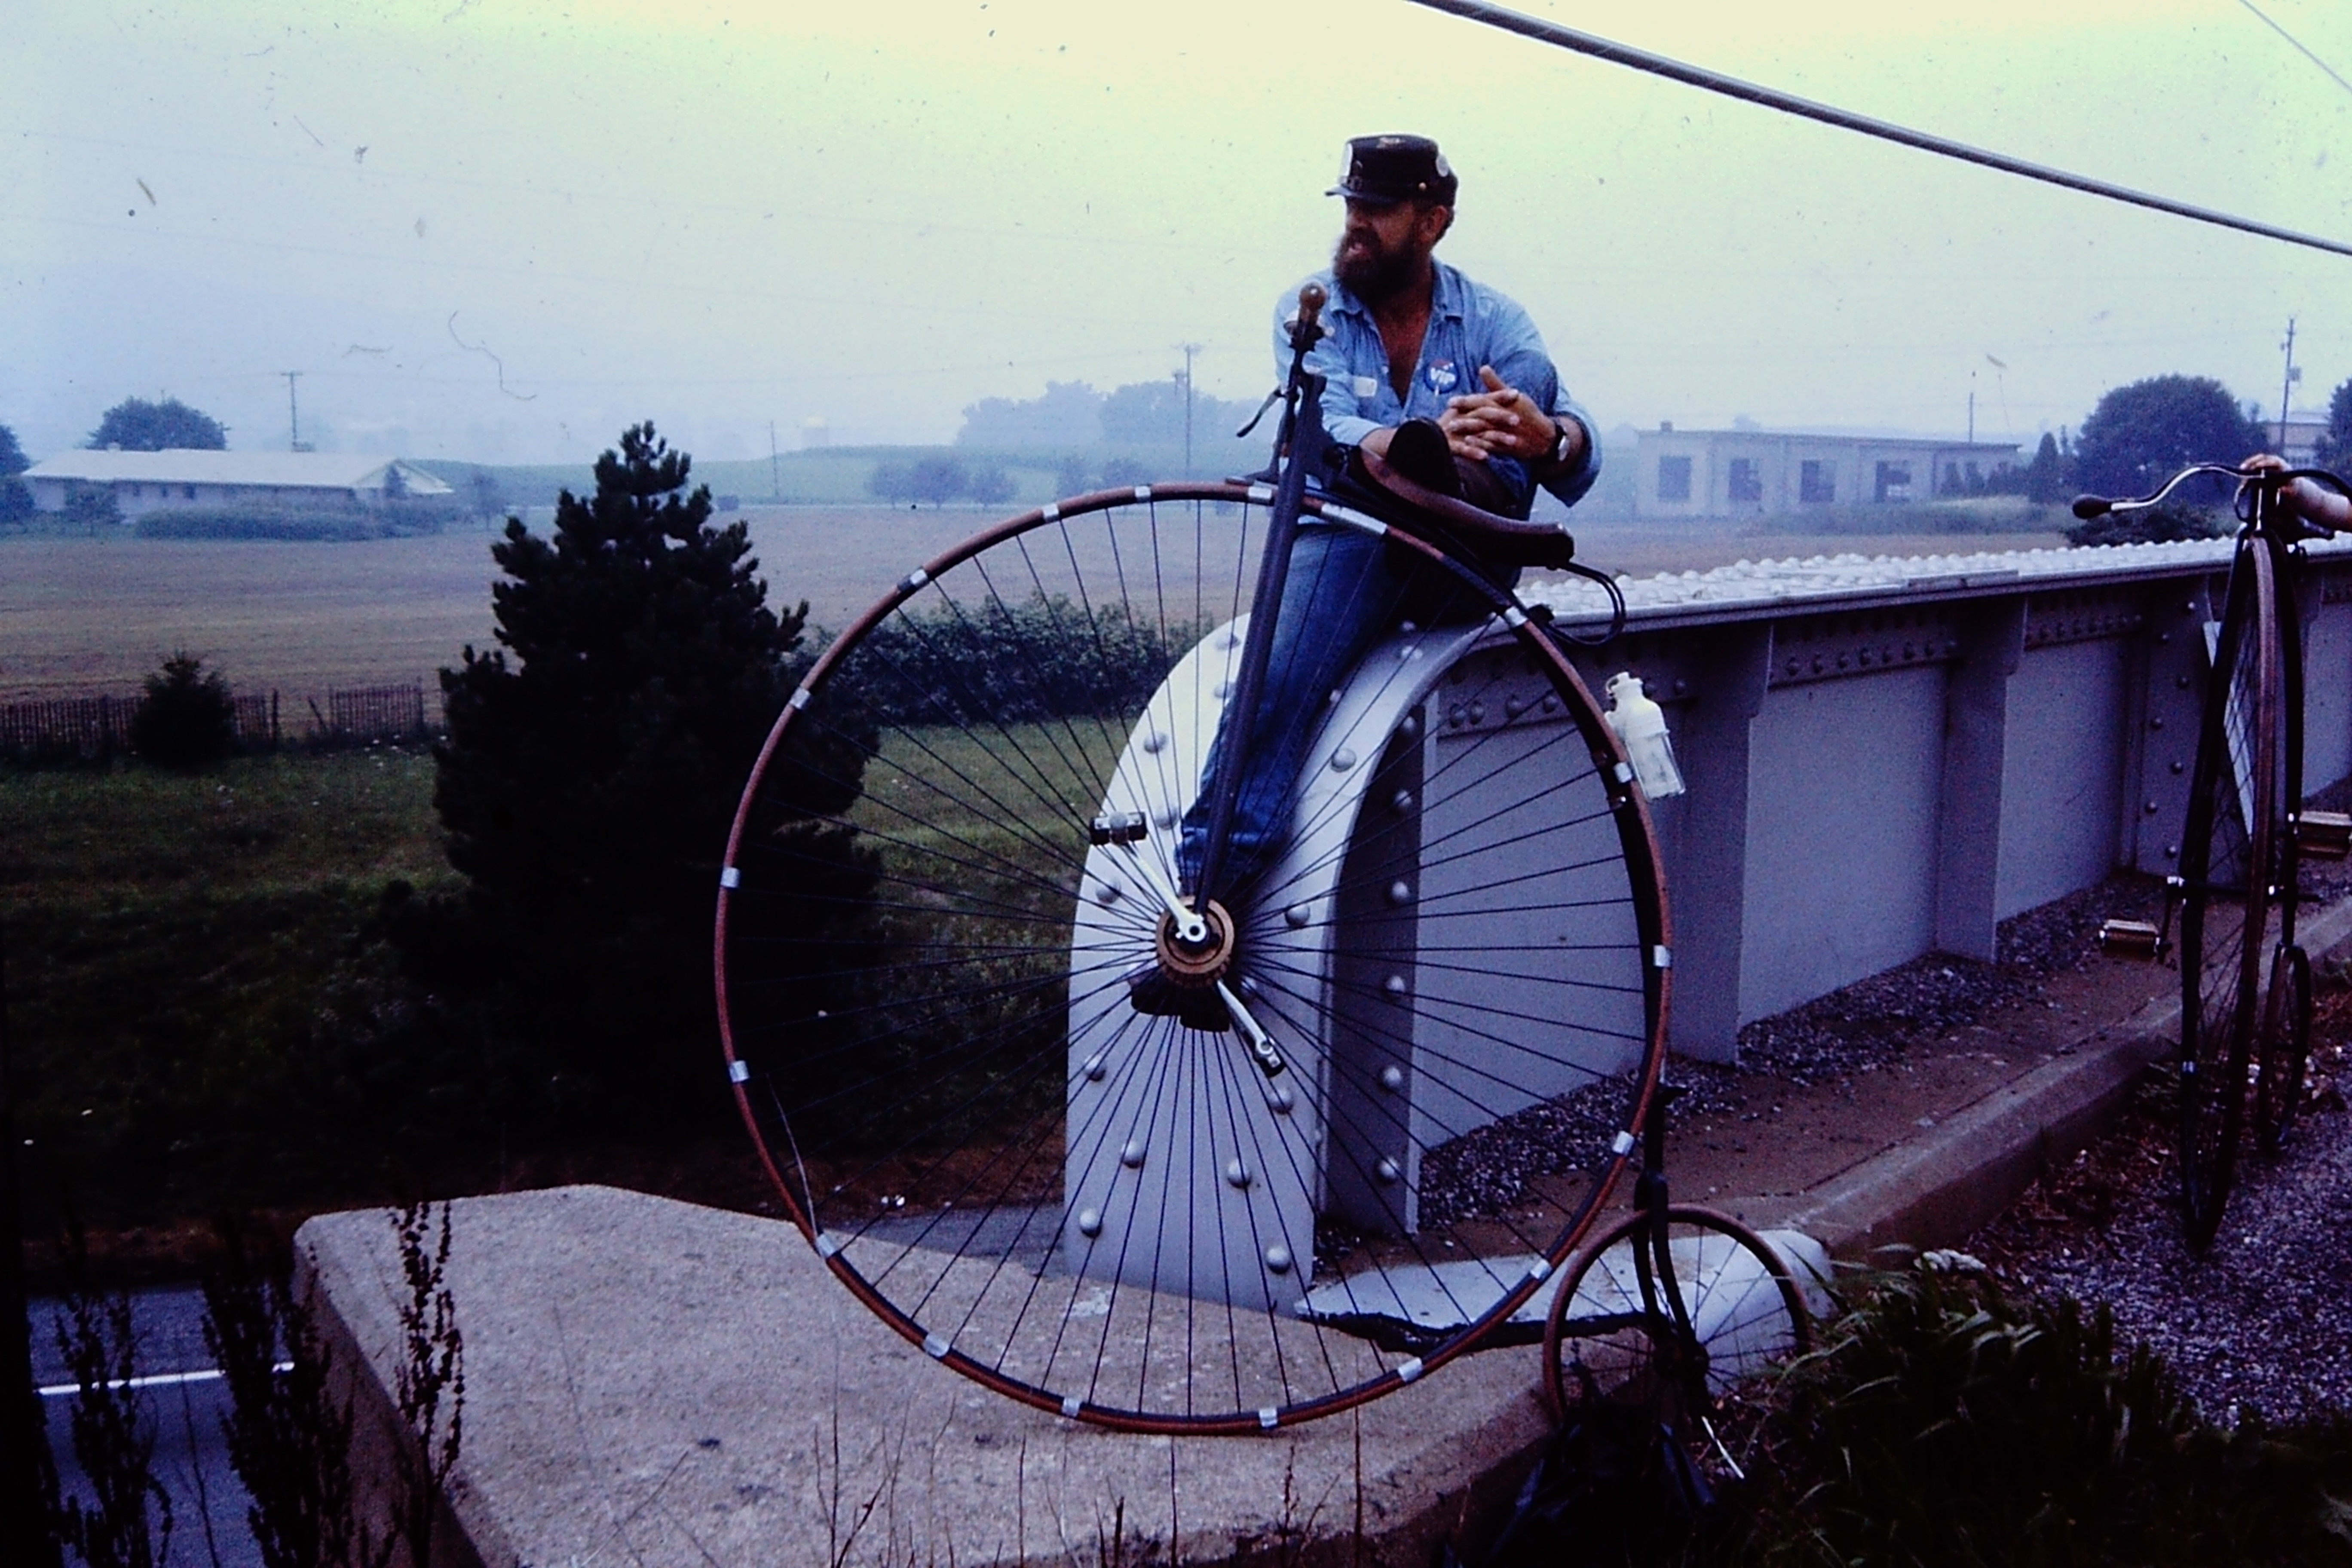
1383	249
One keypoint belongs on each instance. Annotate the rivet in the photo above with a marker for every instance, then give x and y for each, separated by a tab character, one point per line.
2182	681
1297	915
2172	851
1392	1078
1224	688
1155	743
1090	1222
1132	1155
1844	659
1232	639
1454	717
1277	1258
1409	726
1333	699
1096	1066
2151	808
1342	759
2166	636
1394	984
2155	723
1400	892
1277	1099
2177	768
1682	688
1109	893
1406	629
1402	801
1513	707
1388	1170
1237	1174
1166	818
1477	712
1551	700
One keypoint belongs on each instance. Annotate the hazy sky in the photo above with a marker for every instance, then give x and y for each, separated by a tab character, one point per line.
500	230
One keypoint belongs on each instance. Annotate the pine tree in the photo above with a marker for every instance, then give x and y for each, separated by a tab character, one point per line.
591	769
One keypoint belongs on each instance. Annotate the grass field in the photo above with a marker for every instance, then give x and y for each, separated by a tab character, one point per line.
84	614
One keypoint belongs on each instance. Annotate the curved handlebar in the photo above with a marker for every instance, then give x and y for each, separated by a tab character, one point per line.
2087	507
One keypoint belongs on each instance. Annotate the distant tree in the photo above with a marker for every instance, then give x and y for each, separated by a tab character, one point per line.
2045	475
16	500
2140	433
483	490
990	486
893	482
1121	471
2336	441
92	507
185	718
592	768
1068	415
1071	476
1146	414
2157	525
136	425
938	481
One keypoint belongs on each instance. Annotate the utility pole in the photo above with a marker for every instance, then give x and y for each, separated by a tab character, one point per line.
24	1440
1190	349
293	413
2286	384
775	474
1972	408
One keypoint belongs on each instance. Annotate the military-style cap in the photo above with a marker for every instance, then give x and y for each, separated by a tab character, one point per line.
1385	170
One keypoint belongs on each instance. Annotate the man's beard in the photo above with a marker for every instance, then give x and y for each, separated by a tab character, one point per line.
1376	275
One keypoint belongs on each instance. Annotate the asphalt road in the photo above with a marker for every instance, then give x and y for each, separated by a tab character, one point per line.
208	1503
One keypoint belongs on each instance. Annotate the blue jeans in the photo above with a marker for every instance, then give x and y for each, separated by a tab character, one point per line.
1346	591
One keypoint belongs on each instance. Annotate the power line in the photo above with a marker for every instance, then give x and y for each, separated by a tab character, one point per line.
1624	54
2296	43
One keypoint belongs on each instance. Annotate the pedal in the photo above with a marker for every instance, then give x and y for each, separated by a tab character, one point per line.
2128	939
2324	835
1116	828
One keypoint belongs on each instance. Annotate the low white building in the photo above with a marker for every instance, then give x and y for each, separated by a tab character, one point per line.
179	479
1750	472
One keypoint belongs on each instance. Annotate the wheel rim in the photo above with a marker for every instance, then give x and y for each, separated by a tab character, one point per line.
1604	1343
2227	860
924	1004
2287	1048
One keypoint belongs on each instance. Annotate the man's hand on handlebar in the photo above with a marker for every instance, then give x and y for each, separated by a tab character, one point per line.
2302	497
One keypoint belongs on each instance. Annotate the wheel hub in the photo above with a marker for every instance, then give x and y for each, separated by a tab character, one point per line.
1196	964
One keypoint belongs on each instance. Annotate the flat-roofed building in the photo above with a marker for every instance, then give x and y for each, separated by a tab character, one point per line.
1750	472
179	479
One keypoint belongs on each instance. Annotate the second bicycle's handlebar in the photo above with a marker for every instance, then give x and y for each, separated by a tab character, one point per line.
2087	507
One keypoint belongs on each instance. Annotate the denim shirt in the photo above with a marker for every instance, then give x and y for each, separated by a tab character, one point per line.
1469	325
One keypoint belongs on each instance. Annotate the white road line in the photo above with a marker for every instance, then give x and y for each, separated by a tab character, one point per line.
153	1380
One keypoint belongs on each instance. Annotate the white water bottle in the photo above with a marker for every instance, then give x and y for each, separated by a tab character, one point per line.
1641	725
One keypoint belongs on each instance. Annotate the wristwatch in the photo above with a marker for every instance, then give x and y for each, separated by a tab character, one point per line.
1558	456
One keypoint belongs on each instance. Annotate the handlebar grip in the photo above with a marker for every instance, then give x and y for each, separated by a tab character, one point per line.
1308	327
2088	507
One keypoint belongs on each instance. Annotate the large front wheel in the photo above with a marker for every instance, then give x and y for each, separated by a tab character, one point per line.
2228	866
1020	1115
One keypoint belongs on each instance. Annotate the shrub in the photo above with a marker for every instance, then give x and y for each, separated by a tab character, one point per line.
186	718
92	507
2157	525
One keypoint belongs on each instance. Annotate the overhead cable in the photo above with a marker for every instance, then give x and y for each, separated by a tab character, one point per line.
1602	48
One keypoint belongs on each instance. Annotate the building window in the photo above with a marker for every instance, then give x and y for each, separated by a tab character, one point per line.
1893	482
1816	482
1673	479
1747	479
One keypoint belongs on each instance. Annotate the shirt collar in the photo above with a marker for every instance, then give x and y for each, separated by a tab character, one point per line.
1446	298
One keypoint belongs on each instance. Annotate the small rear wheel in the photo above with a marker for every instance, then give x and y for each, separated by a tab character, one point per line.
2287	1048
1614	1343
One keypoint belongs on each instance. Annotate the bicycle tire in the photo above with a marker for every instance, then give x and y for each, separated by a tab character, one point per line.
2286	1050
902	982
1607	1343
2226	860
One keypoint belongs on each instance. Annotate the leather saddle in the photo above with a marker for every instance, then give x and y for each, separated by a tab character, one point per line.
1484	535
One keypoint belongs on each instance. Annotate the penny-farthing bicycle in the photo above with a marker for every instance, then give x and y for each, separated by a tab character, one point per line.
2245	1001
1409	1056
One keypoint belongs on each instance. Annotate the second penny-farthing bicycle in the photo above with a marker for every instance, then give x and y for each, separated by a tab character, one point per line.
2245	1001
1210	1158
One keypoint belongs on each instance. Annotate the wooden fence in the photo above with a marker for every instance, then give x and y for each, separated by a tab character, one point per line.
98	726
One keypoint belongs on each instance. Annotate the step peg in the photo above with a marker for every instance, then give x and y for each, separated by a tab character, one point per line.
2129	939
2324	835
1118	828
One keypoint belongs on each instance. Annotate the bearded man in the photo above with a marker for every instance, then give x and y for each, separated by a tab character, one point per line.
1446	382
